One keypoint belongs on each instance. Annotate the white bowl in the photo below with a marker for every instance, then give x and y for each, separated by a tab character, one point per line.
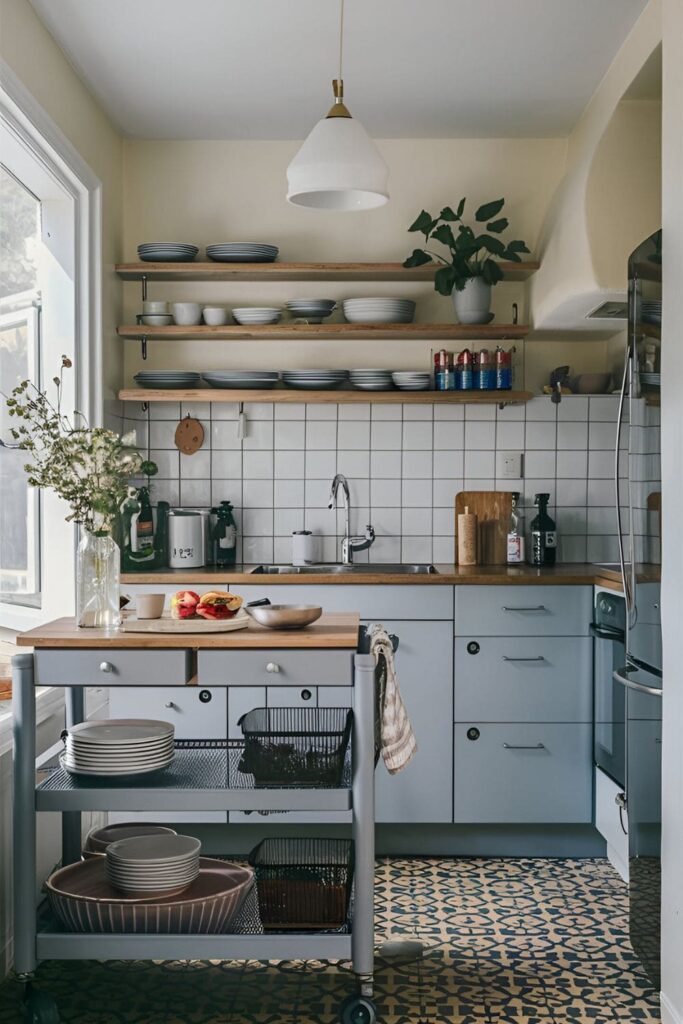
157	319
215	316
186	314
154	306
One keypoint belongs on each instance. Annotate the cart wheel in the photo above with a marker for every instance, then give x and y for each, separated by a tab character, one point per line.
39	1007
358	1010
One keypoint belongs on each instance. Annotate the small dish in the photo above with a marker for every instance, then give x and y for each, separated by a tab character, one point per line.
157	319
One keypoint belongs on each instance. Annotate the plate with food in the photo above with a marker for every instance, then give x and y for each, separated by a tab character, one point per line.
217	611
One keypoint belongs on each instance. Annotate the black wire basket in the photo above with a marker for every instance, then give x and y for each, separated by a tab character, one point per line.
296	746
303	884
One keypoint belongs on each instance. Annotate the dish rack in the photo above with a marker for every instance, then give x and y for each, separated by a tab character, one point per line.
208	776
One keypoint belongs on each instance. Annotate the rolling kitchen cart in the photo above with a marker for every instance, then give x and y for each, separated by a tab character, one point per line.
201	777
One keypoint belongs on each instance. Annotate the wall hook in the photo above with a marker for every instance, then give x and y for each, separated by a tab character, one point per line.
241	423
143	346
143	280
515	313
145	406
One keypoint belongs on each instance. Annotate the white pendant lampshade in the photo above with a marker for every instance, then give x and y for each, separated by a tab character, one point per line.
338	166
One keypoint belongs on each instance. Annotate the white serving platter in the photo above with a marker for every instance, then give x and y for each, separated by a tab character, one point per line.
166	624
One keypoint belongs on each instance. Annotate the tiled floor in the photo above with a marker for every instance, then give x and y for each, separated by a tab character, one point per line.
506	942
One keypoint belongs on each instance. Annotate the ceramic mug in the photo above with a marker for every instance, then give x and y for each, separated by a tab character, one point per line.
150	606
186	314
215	316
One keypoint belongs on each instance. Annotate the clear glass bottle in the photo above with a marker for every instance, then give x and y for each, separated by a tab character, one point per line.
97	580
515	538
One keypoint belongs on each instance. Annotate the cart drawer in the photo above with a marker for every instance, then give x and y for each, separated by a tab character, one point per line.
522	774
523	611
102	667
194	711
275	667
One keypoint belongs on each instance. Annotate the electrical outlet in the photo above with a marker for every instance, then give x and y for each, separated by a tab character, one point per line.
512	465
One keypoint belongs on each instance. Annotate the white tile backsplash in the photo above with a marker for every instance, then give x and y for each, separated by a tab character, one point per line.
405	465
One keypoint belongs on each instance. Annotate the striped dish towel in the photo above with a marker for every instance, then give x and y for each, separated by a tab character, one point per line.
397	740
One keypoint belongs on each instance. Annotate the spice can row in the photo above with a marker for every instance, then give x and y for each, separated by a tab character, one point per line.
484	370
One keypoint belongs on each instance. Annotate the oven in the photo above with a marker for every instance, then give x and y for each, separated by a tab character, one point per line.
609	653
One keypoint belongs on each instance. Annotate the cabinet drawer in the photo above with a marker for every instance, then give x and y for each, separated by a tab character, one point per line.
375	602
101	667
196	712
523	679
523	611
288	667
504	776
292	697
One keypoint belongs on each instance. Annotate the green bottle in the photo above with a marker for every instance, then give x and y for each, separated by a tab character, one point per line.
161	536
224	536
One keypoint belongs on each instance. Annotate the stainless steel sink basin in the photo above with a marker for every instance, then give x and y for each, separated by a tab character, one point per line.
357	569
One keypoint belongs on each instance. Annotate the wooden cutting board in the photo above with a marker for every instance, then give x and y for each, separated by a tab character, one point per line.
493	510
166	624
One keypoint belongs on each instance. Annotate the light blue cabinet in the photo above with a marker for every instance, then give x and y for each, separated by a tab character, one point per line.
523	610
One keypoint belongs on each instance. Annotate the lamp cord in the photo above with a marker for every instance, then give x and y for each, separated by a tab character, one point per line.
341	37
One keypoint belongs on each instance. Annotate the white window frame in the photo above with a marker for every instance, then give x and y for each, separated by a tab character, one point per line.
26	127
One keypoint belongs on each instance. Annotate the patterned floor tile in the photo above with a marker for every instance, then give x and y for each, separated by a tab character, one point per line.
522	941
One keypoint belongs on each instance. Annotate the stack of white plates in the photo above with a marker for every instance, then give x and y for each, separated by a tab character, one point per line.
174	379
371	380
314	310
314	380
652	310
379	311
257	315
118	746
167	252
242	252
241	378
654	379
411	380
153	864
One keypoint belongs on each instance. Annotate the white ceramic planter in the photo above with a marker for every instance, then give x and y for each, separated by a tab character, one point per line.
473	303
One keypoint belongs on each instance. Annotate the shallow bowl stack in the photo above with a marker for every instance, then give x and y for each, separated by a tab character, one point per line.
174	380
412	380
314	380
242	252
256	315
313	310
379	311
118	746
153	865
253	379
371	380
98	839
167	252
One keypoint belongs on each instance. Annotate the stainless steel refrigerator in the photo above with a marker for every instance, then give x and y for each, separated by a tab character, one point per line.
638	504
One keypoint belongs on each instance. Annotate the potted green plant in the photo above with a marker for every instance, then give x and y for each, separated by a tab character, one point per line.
471	266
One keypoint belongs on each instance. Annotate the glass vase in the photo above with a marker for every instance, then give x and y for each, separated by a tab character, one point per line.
97	581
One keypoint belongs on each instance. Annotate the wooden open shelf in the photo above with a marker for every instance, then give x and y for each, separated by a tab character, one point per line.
281	394
321	332
298	271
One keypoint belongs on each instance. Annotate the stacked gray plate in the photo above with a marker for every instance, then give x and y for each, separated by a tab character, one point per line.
153	864
313	380
118	746
248	315
379	311
653	379
242	252
371	380
412	380
167	252
174	379
241	378
313	310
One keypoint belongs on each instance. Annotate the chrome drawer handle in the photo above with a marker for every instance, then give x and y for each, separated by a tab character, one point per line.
106	666
534	608
522	746
272	666
537	658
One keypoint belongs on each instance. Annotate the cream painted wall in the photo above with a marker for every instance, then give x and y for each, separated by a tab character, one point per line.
31	52
212	191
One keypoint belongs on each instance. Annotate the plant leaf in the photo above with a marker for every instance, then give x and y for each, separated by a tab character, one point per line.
512	256
498	225
417	259
461	208
444	280
424	223
491	244
444	235
489	210
491	272
516	245
447	214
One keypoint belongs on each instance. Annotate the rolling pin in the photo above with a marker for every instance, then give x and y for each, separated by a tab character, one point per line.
467	538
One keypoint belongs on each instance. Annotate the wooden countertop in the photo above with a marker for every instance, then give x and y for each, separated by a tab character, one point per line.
330	631
566	574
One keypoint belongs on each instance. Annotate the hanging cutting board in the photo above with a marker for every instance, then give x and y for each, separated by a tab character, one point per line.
493	510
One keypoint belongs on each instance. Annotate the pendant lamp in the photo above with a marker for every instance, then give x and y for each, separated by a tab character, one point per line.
338	166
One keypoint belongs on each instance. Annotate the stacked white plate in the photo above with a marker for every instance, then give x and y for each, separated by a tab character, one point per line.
242	252
314	310
652	311
371	380
379	311
412	380
241	378
257	315
118	746
314	379
153	864
167	252
654	379
174	379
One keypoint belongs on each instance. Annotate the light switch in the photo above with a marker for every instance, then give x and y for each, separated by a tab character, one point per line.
512	465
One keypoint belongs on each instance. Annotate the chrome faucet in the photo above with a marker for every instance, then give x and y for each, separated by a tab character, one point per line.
349	544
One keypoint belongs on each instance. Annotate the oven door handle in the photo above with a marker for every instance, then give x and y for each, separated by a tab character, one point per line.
608	633
622	676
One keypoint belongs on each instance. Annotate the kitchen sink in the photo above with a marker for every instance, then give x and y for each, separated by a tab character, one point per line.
357	569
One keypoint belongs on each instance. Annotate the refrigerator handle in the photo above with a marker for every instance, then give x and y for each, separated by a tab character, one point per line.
626	580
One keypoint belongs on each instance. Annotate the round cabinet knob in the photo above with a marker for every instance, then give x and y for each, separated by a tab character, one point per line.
171	704
106	666
272	666
306	694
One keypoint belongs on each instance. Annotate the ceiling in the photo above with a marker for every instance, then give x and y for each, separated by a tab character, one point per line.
262	69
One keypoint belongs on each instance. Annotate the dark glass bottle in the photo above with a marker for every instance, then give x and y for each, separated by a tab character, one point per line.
543	545
224	536
161	536
145	524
